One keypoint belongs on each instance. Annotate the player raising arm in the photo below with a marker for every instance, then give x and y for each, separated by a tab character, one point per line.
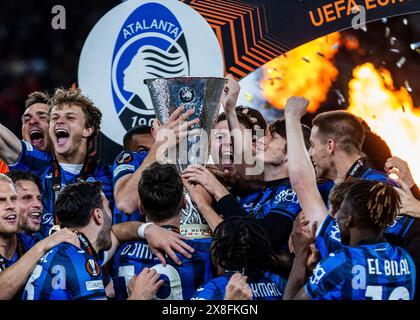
301	172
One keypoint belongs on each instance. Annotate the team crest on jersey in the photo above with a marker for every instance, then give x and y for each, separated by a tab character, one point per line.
139	40
93	268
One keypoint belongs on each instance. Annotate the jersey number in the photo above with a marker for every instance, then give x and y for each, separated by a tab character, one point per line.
29	288
170	272
375	293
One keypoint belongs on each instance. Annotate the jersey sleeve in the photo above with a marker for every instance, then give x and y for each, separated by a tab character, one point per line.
31	159
327	280
84	279
209	291
328	239
27	240
127	163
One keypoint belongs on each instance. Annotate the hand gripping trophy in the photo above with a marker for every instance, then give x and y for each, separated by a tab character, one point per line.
203	96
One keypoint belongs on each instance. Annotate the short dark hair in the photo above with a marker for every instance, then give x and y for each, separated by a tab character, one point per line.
17	176
75	203
239	243
254	113
160	191
343	127
133	131
279	127
37	97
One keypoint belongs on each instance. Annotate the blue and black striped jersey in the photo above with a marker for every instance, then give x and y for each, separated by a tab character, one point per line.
127	163
279	197
41	164
329	240
65	273
366	272
181	281
269	286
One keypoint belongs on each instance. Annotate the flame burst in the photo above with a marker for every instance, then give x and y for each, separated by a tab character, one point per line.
389	112
304	71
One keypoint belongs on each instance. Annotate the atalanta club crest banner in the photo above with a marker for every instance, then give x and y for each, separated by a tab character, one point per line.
141	39
137	40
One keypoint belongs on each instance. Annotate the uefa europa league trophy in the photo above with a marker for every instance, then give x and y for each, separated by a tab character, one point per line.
203	96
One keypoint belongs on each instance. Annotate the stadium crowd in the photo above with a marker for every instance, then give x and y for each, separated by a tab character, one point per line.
322	220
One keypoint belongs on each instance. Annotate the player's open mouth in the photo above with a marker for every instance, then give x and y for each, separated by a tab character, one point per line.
11	218
226	157
37	137
35	217
62	137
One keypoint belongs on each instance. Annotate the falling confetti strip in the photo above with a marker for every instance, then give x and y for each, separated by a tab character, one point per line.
401	62
407	86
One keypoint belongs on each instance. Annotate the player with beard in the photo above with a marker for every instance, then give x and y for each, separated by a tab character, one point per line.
29	189
73	128
274	207
161	194
35	120
18	254
66	272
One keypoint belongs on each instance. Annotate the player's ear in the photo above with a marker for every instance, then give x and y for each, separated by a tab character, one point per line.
331	145
97	216
87	132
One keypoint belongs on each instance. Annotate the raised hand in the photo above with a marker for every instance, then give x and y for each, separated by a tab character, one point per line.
296	106
230	94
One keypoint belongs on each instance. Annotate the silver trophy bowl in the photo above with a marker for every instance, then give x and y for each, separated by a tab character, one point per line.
202	94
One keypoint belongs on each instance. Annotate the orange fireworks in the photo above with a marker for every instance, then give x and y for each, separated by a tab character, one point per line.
390	112
305	71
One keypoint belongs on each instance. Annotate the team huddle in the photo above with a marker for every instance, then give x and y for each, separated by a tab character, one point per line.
321	220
